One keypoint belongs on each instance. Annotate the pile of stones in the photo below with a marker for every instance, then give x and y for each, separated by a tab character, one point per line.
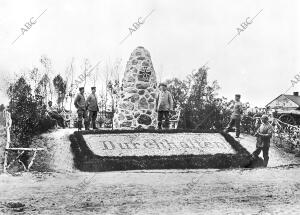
136	104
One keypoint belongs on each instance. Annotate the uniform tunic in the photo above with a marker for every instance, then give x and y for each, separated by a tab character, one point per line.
92	102
165	101
264	129
237	110
79	102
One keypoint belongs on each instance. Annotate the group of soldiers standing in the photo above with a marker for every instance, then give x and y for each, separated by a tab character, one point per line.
87	109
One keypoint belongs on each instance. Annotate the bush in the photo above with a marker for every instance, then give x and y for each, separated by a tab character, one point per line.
248	124
28	113
200	107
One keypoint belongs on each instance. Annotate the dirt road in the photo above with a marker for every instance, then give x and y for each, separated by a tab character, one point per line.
259	191
273	190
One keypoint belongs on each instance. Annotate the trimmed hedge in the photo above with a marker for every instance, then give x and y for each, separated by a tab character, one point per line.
86	160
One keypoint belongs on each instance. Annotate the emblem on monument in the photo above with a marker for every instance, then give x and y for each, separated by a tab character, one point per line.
144	74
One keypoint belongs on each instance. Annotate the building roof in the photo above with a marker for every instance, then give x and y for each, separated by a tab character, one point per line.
295	99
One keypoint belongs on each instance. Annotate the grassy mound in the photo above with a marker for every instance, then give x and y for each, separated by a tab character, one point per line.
86	160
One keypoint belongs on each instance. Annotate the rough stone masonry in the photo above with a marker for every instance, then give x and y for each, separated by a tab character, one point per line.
136	106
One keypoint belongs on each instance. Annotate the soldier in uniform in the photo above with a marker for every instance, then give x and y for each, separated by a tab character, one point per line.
164	104
80	104
92	106
53	113
263	134
235	118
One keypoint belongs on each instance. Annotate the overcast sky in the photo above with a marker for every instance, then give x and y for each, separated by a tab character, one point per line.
180	35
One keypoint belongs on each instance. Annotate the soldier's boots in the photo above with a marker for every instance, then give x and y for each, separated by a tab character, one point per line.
79	125
86	125
94	126
167	126
266	161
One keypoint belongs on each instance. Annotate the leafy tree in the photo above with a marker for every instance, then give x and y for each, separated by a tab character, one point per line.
42	87
201	107
179	91
194	109
23	111
27	113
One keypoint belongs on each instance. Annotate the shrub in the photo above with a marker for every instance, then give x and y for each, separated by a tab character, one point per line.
28	113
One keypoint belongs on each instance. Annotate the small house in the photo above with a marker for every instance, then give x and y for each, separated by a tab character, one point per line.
285	102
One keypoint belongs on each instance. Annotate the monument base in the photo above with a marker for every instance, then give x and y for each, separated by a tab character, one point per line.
172	149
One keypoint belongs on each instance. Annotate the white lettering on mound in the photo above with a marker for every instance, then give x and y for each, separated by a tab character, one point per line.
184	145
135	145
157	144
163	144
148	145
112	146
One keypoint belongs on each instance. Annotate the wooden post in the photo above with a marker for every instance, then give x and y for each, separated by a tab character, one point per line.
8	123
72	75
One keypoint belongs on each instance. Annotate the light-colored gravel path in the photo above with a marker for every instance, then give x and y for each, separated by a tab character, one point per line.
58	155
277	156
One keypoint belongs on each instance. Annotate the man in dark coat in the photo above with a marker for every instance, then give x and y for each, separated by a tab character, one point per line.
80	104
92	106
263	134
235	119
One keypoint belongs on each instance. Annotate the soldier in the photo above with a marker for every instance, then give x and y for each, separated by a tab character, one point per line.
52	112
235	118
263	134
92	106
81	109
164	104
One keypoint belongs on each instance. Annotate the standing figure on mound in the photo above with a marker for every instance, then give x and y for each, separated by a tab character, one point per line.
235	118
92	106
263	134
80	104
164	104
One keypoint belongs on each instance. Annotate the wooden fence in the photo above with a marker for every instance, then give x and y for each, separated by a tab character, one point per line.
20	151
285	135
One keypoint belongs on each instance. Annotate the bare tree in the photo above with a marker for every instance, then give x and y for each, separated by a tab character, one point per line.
86	66
46	62
95	76
72	79
35	77
106	84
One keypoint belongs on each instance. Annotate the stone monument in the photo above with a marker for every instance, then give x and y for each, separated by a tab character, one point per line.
136	104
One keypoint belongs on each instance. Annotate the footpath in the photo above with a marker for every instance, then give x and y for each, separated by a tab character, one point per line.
277	156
